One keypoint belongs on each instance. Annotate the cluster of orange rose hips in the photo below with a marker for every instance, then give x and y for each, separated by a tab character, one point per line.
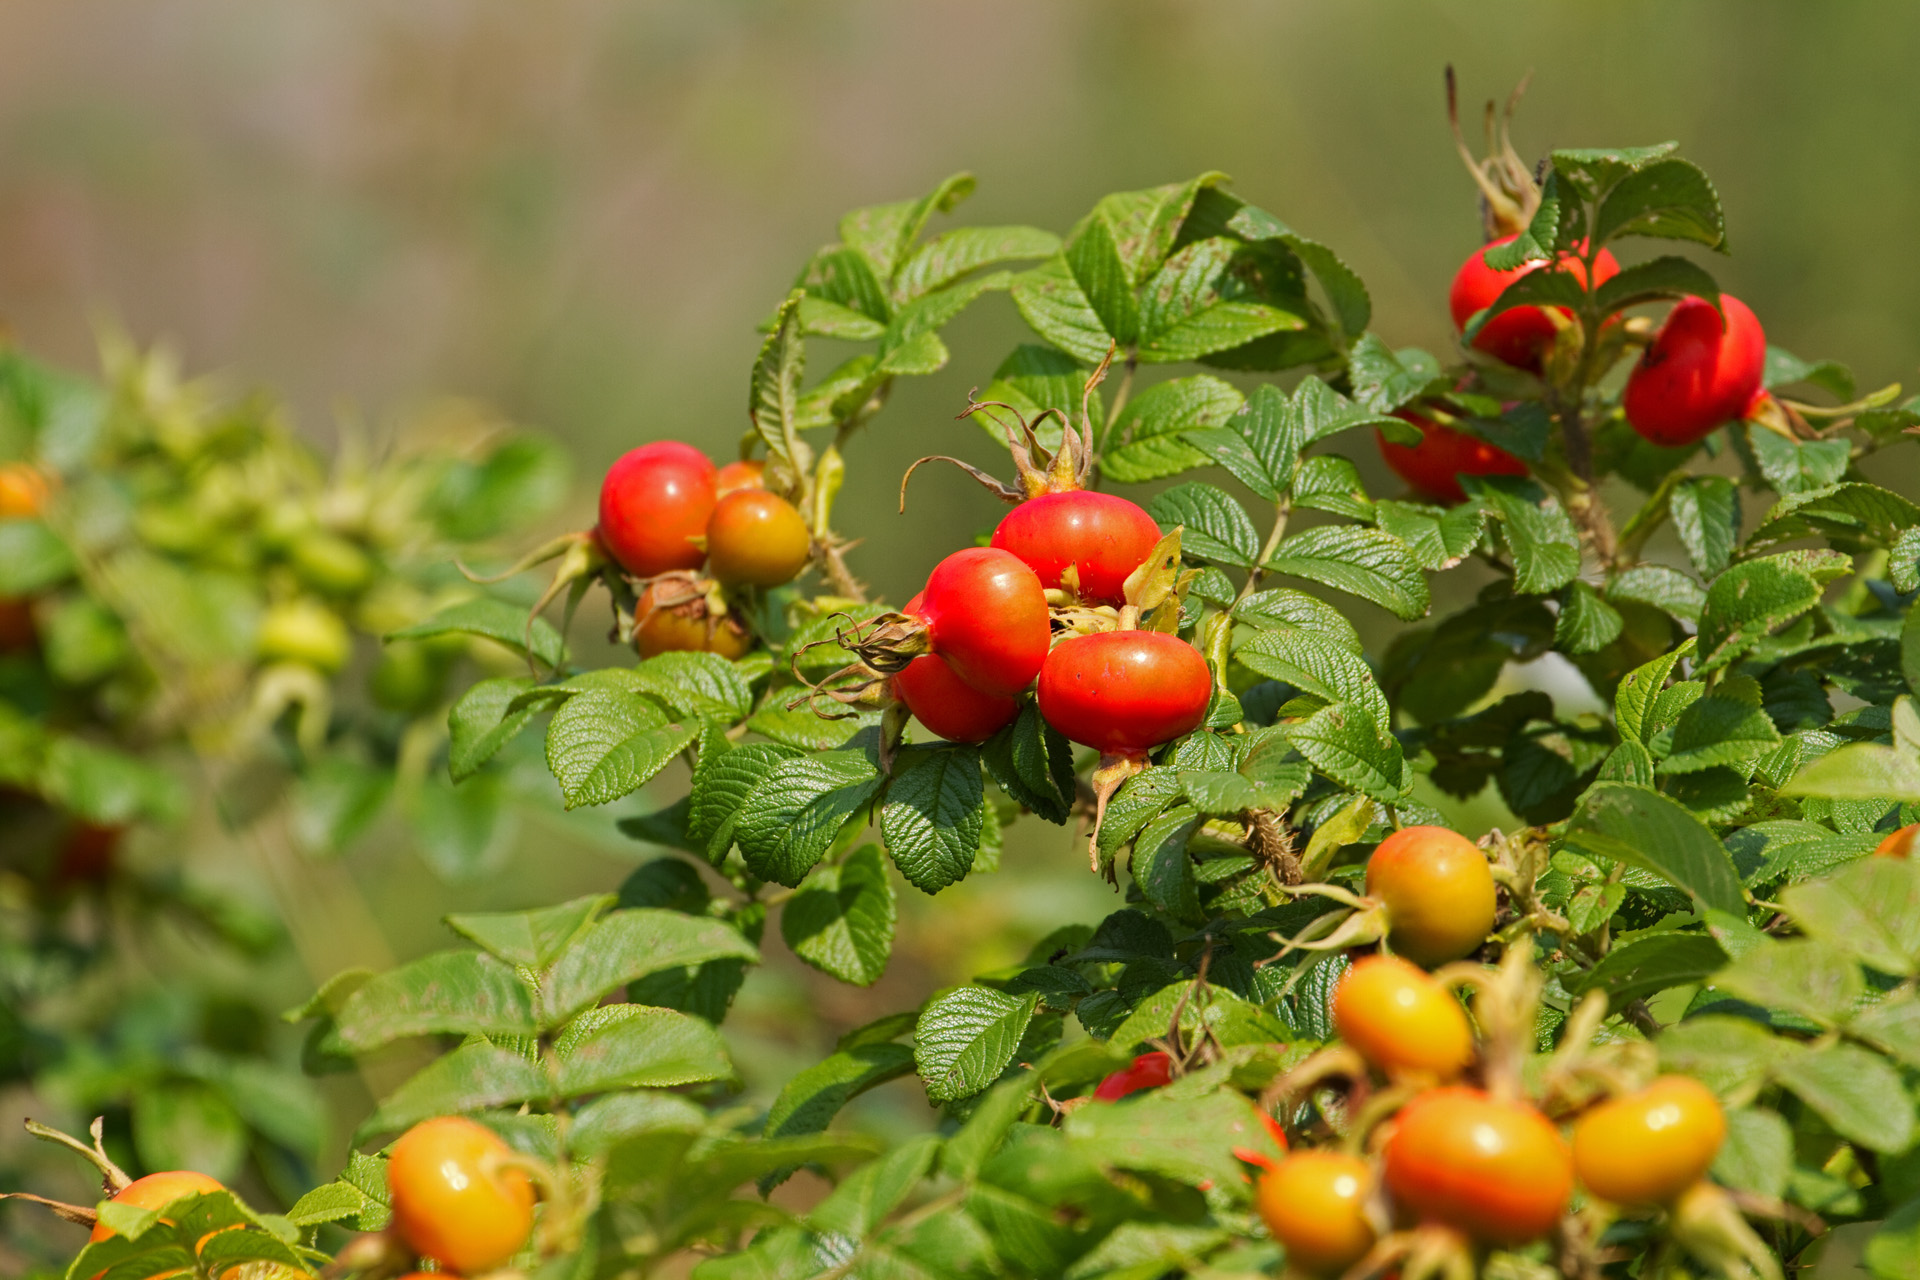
1703	368
1440	1152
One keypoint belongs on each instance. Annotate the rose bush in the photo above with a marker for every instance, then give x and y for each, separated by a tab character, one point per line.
1691	953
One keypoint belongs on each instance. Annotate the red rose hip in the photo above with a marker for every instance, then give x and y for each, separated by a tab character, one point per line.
1701	370
1099	536
1523	336
653	500
1434	466
947	705
1123	692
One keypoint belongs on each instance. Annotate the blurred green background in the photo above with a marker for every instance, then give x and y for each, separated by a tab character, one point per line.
577	211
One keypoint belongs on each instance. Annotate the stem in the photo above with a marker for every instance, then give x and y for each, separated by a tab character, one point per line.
1120	395
1281	511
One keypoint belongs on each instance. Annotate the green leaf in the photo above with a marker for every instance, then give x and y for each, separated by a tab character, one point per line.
1843	513
773	401
496	620
473	1077
1893	1252
1145	441
1188	1139
1670	199
1646	829
1342	741
802	729
1033	764
931	818
1328	482
1146	223
636	1047
1283	608
1231	450
1656	963
1861	771
1319	666
1139	799
952	254
1784	369
1667	590
1640	689
1667	277
1274	434
811	1099
1541	287
723	778
864	1198
1799	976
459	992
1053	304
1222	794
1792	467
1352	308
1870	910
1706	514
628	945
1591	171
32	558
884	234
841	920
1757	1156
846	277
603	744
1184	317
1746	603
793	815
1216	528
1161	868
1367	563
1725	1052
965	1038
1854	1091
1094	260
817	315
1542	540
1587	624
328	1202
698	684
1719	731
531	939
1385	380
1904	566
480	723
1438	539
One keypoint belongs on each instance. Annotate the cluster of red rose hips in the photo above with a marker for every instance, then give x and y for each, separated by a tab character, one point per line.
1046	606
1703	368
665	513
1070	598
